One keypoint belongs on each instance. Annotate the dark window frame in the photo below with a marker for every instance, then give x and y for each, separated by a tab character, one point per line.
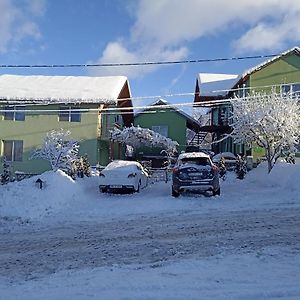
13	113
13	150
69	114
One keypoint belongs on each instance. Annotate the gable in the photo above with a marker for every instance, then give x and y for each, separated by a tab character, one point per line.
284	70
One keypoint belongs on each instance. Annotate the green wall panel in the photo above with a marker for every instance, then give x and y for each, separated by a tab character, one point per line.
176	127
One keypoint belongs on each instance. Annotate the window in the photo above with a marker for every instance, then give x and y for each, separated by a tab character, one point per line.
14	113
294	89
162	129
69	114
13	150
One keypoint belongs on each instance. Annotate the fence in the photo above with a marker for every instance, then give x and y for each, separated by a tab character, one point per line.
159	174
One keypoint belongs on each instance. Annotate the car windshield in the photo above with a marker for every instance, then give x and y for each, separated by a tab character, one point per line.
200	161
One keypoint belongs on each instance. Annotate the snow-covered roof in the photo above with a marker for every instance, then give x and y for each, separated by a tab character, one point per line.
212	84
265	63
61	88
165	103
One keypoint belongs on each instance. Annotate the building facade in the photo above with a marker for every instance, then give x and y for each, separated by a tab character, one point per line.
88	107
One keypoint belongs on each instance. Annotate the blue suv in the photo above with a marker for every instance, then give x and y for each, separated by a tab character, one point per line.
195	172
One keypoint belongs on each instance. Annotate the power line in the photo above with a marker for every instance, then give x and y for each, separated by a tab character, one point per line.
150	63
138	98
126	110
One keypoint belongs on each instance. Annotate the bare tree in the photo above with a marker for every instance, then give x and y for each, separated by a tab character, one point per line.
269	120
59	150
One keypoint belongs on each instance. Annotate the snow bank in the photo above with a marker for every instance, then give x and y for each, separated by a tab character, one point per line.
64	199
26	200
283	176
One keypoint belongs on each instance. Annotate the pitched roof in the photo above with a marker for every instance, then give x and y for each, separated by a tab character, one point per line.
212	84
69	89
161	103
295	50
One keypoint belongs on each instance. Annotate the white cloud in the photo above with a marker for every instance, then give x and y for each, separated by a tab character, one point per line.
270	36
16	25
164	28
116	52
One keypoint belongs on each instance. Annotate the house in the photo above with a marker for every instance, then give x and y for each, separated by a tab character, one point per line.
88	107
169	121
210	92
281	73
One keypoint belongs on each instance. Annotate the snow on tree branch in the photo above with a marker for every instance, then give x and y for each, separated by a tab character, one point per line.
137	136
269	120
59	150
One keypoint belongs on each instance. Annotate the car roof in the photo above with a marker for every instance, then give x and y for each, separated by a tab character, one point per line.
193	155
121	163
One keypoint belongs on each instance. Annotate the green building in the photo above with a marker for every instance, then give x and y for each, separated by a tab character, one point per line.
169	121
88	107
281	73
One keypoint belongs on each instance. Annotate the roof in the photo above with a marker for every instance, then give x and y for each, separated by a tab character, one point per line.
116	164
161	103
258	67
212	84
68	89
193	155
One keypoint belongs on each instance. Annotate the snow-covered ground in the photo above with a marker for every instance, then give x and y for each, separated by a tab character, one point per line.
68	241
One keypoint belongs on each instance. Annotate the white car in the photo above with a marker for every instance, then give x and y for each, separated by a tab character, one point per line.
122	175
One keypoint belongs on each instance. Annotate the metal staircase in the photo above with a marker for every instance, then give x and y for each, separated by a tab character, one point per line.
201	137
198	139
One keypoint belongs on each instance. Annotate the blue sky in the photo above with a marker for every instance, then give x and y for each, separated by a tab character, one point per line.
114	31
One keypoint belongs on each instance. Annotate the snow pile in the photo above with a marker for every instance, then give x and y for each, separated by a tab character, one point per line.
25	199
122	165
284	177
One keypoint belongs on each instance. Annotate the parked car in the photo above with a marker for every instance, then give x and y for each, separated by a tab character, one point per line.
230	160
196	172
122	175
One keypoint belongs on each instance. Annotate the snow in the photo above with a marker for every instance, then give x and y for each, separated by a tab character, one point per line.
264	264
123	164
137	136
211	84
267	62
268	120
192	155
68	89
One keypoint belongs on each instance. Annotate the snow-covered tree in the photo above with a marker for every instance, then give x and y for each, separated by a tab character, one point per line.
137	136
269	120
59	150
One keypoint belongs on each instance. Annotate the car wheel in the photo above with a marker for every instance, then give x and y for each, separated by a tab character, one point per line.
175	193
217	192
